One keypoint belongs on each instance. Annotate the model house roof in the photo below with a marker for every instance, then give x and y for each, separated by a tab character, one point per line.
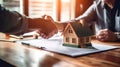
79	29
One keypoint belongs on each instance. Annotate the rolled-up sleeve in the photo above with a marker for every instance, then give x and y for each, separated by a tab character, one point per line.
89	15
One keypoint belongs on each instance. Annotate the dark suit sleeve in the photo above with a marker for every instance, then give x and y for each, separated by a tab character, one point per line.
12	22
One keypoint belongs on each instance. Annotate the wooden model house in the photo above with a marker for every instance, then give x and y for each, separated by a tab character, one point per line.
77	35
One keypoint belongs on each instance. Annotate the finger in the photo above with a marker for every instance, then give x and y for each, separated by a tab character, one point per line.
52	33
103	40
35	36
43	35
50	18
100	37
44	16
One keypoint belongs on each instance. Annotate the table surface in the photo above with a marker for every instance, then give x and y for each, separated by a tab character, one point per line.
27	56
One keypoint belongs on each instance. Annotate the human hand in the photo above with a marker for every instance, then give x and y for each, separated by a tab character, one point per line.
106	35
40	33
50	28
46	26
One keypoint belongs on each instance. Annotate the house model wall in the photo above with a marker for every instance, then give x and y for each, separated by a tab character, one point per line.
77	35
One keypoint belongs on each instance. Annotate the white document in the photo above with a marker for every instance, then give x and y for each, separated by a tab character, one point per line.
54	44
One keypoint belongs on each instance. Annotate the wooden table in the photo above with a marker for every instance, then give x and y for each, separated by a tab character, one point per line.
26	56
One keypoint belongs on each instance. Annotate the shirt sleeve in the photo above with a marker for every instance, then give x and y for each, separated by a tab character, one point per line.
21	26
12	22
89	14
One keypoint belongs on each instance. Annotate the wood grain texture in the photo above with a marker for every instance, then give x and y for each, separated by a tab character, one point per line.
27	56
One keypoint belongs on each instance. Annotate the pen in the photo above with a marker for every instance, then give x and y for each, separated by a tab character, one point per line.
32	46
3	40
35	36
7	36
25	43
14	36
26	36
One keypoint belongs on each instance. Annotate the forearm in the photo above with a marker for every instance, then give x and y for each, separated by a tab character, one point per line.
38	24
44	25
35	22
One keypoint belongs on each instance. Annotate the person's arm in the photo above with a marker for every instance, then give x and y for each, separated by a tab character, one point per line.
36	22
86	16
60	25
12	22
46	27
89	15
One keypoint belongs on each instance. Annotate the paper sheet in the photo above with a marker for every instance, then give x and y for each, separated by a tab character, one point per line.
55	45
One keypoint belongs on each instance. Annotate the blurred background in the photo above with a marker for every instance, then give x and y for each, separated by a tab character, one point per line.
60	10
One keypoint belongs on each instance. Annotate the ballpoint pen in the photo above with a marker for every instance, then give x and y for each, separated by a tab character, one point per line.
16	37
4	40
7	36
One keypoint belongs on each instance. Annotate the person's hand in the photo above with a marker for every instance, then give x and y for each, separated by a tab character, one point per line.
106	35
45	25
38	33
51	27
